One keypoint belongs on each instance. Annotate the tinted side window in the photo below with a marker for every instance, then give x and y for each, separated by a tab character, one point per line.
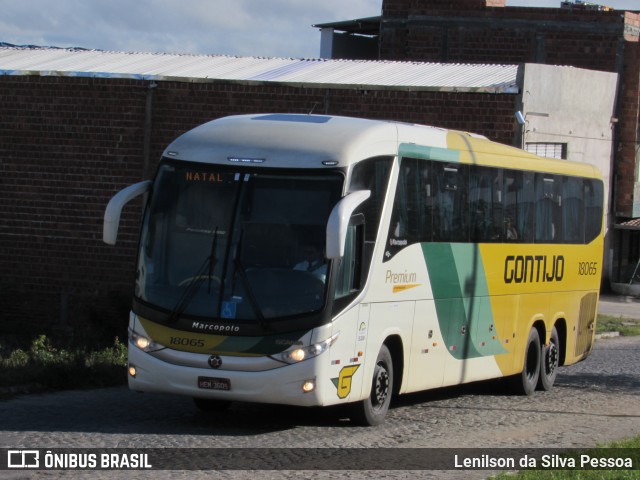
519	206
485	202
572	210
593	198
413	206
548	208
451	202
373	175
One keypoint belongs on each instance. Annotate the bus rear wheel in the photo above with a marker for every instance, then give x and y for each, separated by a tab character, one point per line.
550	362
525	383
372	410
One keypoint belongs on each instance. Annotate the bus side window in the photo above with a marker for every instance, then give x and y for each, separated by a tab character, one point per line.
371	174
485	202
548	208
593	198
349	277
400	229
451	187
518	198
412	217
572	210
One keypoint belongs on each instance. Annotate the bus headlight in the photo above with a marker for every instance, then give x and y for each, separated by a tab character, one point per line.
143	343
304	353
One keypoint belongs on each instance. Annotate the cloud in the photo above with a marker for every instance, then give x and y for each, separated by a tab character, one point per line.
233	27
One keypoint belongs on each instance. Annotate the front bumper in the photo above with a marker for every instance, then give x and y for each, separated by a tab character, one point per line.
281	385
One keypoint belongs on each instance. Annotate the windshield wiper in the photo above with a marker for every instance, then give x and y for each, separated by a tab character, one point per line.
242	273
253	301
212	254
194	283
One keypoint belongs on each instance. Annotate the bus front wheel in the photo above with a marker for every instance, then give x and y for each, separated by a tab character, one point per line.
373	409
525	383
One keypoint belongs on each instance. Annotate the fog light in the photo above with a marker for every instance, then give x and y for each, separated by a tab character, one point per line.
309	386
132	371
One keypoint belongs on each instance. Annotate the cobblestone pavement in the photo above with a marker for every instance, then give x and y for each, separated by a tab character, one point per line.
595	401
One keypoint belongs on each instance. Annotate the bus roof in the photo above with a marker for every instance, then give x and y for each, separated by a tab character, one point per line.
286	140
320	141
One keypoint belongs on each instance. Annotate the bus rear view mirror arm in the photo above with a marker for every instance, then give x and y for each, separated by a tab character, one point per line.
339	221
114	209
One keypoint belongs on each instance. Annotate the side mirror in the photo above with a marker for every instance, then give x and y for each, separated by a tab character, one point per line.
339	221
114	209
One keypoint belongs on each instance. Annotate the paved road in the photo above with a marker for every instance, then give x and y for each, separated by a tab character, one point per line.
595	401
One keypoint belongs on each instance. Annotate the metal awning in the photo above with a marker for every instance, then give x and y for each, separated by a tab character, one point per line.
358	26
633	224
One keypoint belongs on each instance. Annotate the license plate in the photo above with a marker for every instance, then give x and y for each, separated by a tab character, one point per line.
213	383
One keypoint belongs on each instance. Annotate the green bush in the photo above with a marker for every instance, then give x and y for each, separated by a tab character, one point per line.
45	366
17	358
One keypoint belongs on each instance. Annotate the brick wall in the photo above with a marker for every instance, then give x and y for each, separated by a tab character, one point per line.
405	7
435	33
628	126
68	144
65	148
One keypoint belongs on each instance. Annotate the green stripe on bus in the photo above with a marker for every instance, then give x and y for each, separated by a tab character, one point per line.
461	298
429	153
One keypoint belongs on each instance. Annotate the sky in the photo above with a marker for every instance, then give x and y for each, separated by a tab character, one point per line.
261	28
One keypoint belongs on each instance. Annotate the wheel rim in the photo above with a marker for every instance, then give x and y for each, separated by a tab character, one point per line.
381	386
551	360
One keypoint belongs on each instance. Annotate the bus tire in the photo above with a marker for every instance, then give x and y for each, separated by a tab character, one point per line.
526	382
211	406
550	362
372	410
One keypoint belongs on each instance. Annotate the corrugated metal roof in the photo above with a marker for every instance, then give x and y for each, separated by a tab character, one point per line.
313	72
633	224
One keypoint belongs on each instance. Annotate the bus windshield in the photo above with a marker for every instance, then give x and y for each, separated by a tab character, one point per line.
229	245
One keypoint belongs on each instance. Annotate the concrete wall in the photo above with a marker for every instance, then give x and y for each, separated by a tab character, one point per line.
577	107
580	105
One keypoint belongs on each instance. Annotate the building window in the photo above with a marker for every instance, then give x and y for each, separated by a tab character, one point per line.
549	150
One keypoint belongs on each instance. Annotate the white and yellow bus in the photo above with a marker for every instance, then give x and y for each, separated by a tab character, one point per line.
318	260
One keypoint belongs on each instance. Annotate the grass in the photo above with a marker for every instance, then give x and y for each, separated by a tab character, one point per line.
624	448
43	366
626	326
